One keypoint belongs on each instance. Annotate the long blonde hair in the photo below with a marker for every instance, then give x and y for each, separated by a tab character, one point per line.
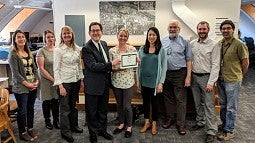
68	28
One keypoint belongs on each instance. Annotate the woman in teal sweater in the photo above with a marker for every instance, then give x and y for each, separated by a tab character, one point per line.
151	76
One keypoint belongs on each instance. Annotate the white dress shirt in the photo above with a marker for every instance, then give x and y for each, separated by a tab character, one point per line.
67	64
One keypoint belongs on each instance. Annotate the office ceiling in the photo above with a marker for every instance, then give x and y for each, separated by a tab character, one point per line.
7	12
248	1
9	5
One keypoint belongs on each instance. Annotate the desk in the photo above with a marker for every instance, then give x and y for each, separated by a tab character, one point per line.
4	62
4	73
3	82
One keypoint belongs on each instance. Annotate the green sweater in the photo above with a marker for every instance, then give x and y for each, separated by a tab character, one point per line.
161	70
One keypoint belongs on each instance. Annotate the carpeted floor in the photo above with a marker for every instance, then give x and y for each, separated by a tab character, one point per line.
245	125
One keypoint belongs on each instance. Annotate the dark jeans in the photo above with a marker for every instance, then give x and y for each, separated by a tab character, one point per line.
123	99
175	93
25	117
150	100
67	105
51	106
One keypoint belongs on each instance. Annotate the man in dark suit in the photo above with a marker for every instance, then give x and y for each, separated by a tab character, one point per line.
95	55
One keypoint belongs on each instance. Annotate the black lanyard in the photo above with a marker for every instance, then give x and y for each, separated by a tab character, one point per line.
223	54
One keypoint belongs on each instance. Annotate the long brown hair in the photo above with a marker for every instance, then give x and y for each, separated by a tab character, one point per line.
14	44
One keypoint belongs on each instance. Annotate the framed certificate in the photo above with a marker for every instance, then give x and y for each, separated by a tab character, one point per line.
128	60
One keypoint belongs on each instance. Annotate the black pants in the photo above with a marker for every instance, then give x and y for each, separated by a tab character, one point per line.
96	111
68	111
149	100
51	106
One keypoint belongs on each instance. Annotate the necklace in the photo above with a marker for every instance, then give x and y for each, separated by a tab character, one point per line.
123	49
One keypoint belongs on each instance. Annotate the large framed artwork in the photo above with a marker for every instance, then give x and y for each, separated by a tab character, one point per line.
136	16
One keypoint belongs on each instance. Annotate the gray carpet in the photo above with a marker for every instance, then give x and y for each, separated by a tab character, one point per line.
244	126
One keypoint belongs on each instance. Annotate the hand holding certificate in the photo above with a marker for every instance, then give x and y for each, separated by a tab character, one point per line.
128	60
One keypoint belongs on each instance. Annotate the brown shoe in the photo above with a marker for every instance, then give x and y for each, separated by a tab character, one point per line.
154	130
146	126
168	124
181	130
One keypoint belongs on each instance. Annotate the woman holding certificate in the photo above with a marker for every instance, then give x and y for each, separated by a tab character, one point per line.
123	81
151	76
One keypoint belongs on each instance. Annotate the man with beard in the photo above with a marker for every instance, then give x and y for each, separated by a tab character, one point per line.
205	71
233	65
178	76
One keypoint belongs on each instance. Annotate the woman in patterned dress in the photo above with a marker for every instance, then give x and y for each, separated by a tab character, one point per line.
123	81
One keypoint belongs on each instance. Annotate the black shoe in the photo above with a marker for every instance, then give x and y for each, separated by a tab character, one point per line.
67	138
105	135
128	134
196	127
48	125
209	138
56	124
93	139
77	130
117	130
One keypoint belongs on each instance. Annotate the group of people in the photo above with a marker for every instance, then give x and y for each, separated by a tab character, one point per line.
165	66
201	64
57	82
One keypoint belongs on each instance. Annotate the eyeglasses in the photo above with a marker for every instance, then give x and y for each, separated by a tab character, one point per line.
226	28
95	30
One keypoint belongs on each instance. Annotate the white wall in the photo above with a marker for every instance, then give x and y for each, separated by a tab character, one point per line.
209	10
206	10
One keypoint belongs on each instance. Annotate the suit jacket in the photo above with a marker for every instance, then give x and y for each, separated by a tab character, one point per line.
96	70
